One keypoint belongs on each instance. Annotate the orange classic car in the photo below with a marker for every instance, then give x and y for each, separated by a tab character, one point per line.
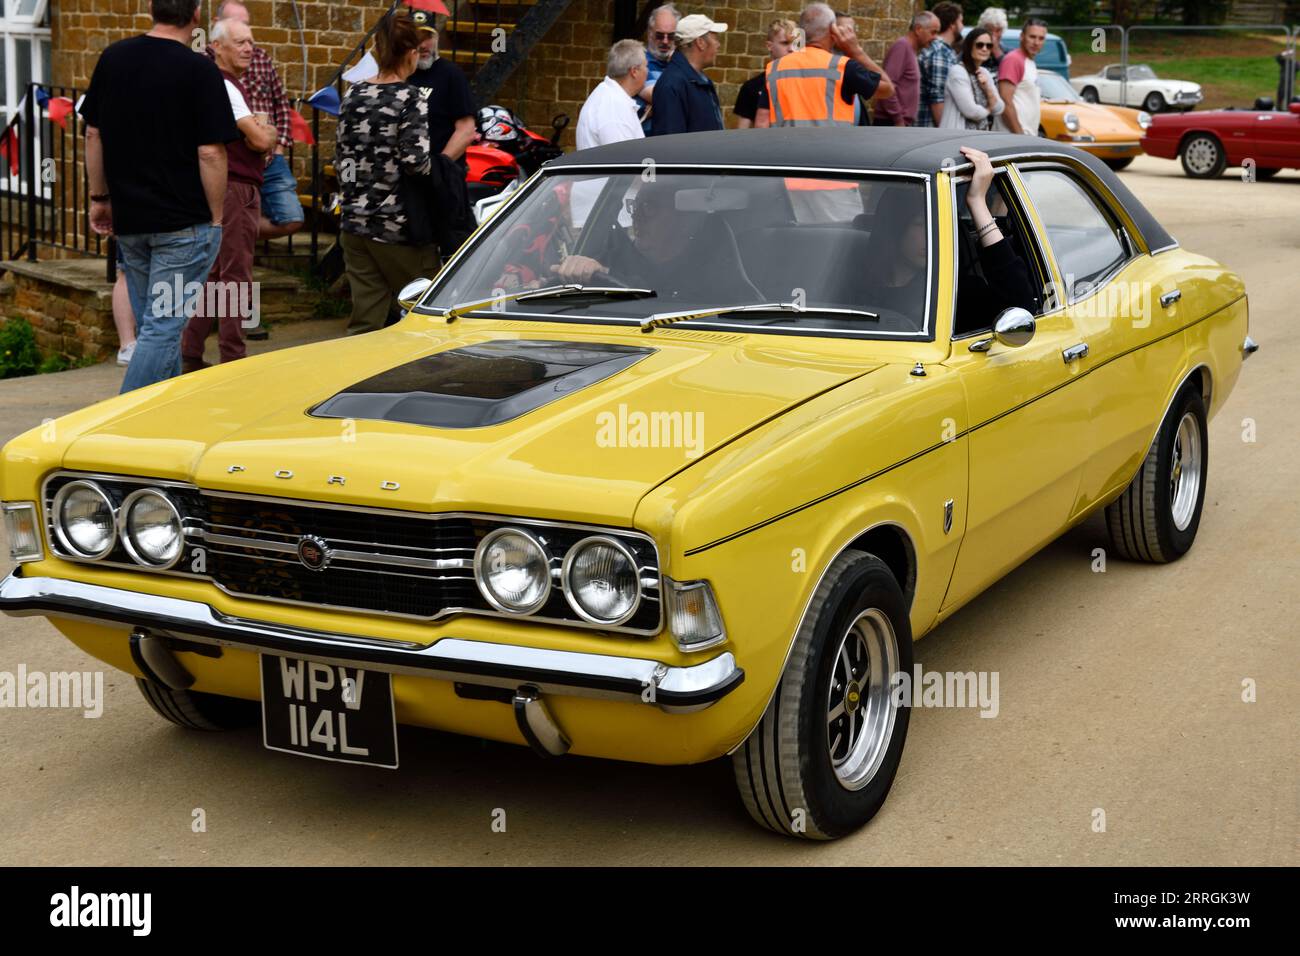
1111	133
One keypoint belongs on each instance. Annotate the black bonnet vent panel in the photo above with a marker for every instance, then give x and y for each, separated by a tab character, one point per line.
479	385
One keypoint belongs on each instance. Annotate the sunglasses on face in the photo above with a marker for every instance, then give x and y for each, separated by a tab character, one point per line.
663	37
983	46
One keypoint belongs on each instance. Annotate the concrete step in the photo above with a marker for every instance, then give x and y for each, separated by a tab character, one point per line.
70	304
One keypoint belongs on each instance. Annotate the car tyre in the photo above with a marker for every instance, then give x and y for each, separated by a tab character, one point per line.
1156	518
1202	156
194	710
1154	103
803	771
1089	94
1118	164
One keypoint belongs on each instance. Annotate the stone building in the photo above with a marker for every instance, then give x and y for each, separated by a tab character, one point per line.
310	39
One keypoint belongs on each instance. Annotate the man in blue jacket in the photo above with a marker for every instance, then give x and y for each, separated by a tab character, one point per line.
685	100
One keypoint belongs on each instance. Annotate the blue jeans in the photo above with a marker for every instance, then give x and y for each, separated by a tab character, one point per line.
164	272
280	193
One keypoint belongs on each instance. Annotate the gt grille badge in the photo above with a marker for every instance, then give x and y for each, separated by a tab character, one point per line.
313	552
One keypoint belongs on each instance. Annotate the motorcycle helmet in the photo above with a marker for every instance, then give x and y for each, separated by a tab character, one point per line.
497	125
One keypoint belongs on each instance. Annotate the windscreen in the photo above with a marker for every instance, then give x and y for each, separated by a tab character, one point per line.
840	256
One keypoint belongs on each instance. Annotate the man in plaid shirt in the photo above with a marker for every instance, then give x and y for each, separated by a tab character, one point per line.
935	61
281	211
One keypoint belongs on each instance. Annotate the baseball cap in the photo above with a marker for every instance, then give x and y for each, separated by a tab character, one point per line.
423	20
695	26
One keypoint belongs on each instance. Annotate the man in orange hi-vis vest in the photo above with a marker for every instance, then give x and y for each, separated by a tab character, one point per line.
817	85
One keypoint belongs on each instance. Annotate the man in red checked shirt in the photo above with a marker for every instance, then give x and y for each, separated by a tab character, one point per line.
281	211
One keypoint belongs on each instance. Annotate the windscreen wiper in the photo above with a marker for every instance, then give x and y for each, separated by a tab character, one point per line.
668	318
546	292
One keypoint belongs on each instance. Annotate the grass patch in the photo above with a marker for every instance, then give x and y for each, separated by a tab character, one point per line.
1232	67
19	355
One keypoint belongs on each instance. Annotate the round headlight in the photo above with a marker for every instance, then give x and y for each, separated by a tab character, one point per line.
513	571
601	581
1144	119
1072	122
83	519
151	528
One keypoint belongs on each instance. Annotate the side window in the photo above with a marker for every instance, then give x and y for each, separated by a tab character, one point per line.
1114	73
1085	240
980	296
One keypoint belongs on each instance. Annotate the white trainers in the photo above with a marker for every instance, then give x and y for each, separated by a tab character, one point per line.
124	354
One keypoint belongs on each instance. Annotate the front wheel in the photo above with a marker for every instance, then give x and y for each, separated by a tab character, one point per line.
1156	518
822	759
1203	157
1154	103
195	710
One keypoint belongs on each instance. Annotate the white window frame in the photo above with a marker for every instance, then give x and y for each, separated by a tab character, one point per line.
32	27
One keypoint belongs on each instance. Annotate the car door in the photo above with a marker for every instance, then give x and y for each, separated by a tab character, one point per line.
1108	84
1125	305
1029	432
1276	140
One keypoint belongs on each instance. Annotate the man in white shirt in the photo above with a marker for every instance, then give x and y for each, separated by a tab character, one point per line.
610	115
231	292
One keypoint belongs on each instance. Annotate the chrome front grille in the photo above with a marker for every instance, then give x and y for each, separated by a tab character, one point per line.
413	565
383	561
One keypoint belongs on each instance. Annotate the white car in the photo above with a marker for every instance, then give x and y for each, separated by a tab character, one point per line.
1145	90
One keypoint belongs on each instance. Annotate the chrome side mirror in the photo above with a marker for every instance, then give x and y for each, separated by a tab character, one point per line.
413	292
1014	327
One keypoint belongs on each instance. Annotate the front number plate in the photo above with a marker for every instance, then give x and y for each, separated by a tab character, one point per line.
328	711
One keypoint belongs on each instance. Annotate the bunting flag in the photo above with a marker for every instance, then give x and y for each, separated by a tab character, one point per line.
326	99
367	68
11	150
59	108
301	129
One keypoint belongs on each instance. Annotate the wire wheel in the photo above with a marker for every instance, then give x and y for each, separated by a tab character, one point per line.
859	712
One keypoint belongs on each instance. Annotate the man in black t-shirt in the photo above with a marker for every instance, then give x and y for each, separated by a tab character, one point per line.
157	123
451	107
751	107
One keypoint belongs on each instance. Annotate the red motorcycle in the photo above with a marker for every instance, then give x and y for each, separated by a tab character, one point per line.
507	152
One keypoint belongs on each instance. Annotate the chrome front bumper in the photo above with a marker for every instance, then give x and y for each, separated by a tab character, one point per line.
477	663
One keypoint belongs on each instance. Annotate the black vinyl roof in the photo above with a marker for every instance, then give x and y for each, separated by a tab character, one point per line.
907	150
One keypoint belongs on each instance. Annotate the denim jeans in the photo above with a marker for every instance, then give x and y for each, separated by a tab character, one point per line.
280	193
164	273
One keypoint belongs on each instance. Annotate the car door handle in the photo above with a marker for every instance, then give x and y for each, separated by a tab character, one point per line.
1075	352
1169	298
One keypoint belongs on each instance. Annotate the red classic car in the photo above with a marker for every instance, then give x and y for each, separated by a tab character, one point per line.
1208	142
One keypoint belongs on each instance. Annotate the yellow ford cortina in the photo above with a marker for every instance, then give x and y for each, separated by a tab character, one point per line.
672	461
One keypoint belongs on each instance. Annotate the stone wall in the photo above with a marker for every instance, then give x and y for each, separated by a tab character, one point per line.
69	304
556	77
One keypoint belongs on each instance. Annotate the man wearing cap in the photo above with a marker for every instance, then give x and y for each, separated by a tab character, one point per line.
451	107
685	100
819	85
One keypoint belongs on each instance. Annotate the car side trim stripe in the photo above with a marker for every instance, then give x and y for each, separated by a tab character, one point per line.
969	430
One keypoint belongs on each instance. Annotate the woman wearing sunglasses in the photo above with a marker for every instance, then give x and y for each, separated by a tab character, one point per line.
971	99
